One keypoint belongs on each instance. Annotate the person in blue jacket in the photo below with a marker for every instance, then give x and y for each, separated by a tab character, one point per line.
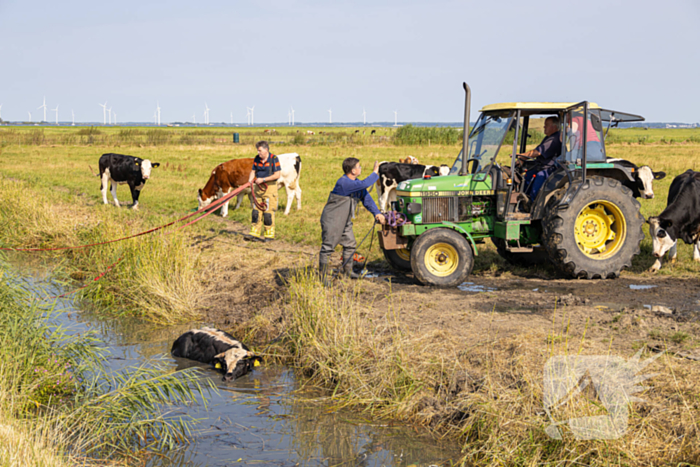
336	219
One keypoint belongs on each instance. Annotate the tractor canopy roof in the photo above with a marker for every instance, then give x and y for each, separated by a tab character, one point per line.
535	108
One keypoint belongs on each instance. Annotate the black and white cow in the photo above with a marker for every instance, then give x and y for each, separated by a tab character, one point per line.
680	219
118	169
644	177
218	348
393	173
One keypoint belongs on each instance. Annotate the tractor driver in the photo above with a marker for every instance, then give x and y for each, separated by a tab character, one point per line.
545	155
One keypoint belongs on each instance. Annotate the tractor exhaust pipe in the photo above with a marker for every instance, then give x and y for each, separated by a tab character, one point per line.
465	139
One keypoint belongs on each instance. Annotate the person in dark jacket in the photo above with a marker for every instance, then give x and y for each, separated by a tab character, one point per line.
545	155
336	219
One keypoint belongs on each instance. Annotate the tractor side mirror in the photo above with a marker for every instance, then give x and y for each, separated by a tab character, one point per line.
596	123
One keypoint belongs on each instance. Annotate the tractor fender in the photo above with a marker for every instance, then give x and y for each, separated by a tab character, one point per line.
620	174
454	226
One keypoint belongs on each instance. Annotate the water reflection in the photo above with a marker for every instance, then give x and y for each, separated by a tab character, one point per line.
262	418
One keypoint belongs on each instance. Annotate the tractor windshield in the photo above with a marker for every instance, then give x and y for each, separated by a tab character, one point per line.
485	141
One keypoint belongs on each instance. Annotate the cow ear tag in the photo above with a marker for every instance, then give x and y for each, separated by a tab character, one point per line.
217	366
257	363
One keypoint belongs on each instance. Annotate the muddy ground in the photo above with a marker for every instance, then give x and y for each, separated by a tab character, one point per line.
624	313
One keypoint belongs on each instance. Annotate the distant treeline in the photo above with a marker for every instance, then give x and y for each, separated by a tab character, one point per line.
410	135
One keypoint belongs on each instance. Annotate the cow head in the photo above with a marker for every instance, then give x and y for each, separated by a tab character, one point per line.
661	239
645	178
444	170
203	202
236	362
145	167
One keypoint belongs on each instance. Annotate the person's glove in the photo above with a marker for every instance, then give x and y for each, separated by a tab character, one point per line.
380	218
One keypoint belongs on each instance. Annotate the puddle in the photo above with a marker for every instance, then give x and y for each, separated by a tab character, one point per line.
262	418
642	287
472	287
373	274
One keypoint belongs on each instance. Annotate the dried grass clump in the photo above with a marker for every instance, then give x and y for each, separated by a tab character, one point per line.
489	393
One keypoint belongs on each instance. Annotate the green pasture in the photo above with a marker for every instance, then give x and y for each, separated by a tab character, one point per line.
61	166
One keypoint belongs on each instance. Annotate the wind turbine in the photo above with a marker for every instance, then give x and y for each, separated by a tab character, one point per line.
73	114
330	116
396	118
158	111
115	118
110	115
56	110
194	119
104	112
292	115
364	116
30	116
206	114
251	113
231	118
44	107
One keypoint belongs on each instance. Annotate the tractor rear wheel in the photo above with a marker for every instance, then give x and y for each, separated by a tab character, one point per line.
599	233
399	259
441	257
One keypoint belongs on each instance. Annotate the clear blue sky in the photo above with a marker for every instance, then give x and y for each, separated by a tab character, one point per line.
383	55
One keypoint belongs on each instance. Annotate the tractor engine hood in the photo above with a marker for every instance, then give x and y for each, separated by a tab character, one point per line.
450	185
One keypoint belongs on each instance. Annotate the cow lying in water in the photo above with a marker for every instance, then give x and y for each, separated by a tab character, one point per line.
218	348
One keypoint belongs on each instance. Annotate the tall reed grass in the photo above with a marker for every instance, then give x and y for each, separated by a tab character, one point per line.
159	277
61	403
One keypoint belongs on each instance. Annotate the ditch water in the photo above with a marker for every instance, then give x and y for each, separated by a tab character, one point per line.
263	418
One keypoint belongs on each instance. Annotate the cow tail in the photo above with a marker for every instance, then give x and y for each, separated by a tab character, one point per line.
93	172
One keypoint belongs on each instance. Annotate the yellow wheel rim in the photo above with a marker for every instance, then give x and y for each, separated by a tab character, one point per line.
600	229
404	254
441	259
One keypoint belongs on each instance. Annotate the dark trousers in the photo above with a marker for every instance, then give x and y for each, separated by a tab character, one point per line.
336	227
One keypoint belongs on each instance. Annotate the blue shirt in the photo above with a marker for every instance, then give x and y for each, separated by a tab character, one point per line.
267	168
358	189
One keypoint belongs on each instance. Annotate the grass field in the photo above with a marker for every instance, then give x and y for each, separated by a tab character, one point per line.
381	361
65	169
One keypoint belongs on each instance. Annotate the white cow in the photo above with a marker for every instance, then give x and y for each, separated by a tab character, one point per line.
290	165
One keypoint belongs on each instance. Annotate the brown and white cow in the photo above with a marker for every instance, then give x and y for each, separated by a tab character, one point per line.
410	160
230	175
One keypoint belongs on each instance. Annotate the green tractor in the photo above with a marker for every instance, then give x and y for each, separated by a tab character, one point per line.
583	220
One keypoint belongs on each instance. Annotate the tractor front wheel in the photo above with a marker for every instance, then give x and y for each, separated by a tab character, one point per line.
598	234
399	259
441	257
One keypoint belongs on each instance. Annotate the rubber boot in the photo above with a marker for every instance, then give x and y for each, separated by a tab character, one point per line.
347	269
323	273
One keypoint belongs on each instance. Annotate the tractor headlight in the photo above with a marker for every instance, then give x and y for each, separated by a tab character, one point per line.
414	208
